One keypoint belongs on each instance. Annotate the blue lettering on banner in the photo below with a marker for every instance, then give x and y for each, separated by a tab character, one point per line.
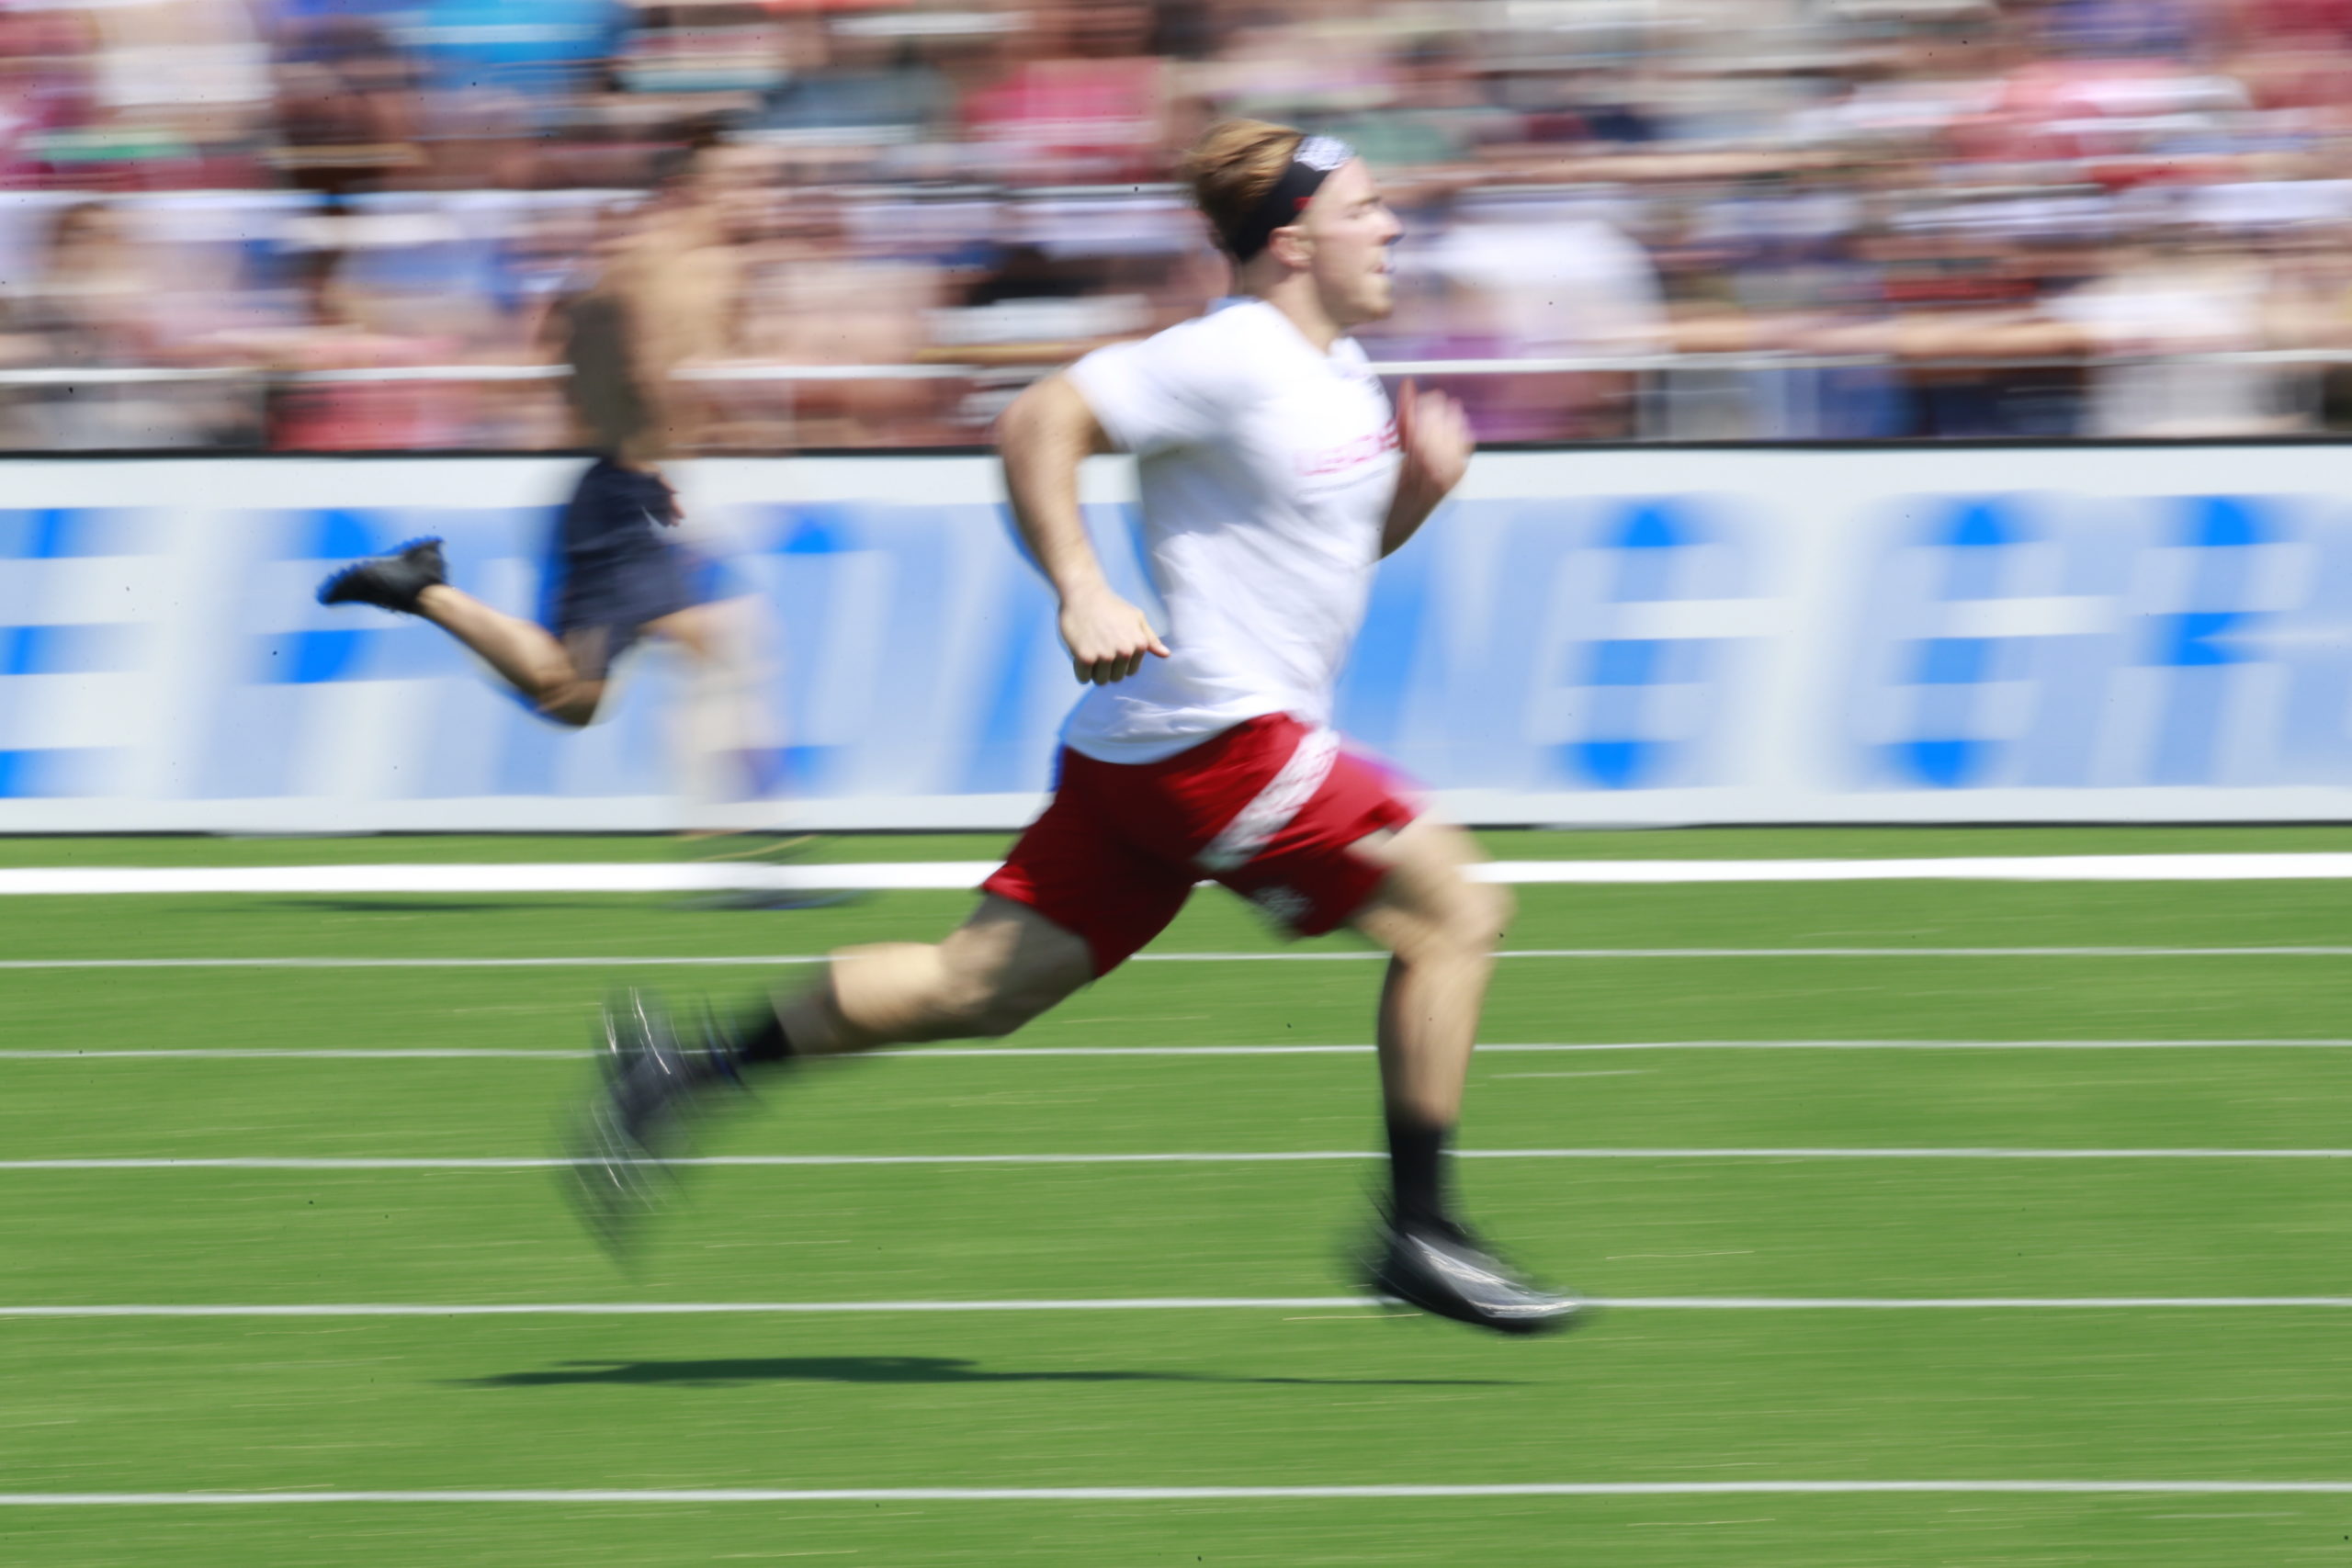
1027	685
1491	705
312	654
1619	749
1559	645
871	672
809	541
2311	638
1982	641
451	729
2070	643
42	658
1947	748
1369	706
1570	650
2198	641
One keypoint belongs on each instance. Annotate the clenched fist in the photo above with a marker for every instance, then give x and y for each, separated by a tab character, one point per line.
1107	636
1434	434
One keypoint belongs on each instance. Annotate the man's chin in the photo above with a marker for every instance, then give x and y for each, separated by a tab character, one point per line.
1373	305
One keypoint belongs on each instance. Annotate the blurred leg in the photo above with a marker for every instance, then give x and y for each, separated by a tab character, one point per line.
1002	968
1020	950
525	655
725	730
1440	929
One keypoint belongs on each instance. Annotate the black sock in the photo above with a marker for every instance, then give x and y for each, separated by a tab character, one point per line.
762	1039
1417	1168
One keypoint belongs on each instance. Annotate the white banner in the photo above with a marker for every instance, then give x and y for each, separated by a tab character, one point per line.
1604	637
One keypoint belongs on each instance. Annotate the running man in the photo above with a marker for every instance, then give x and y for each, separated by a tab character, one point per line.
1275	477
615	576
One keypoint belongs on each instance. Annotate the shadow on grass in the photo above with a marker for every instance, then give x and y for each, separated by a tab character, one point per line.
736	1373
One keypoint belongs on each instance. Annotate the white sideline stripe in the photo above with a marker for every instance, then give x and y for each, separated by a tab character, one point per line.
1175	1303
2293	867
580	877
262	1053
2279	951
695	1309
1190	1494
880	875
590	961
1255	1157
395	1054
759	960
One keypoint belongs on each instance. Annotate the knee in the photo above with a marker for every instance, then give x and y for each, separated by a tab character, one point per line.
574	704
1493	909
1467	929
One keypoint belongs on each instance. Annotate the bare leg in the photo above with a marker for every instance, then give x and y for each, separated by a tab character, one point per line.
527	656
1000	968
997	970
696	630
722	718
1441	928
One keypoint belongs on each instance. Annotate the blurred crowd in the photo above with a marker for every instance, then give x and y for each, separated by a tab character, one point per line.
310	225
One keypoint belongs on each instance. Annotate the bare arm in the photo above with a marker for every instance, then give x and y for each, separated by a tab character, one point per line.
1042	438
1435	436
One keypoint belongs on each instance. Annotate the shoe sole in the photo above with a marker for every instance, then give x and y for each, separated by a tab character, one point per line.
1572	1312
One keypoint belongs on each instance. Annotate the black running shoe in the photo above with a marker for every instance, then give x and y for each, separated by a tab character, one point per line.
651	1081
389	581
1443	1268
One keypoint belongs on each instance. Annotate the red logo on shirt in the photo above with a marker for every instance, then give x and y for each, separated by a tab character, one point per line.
1347	454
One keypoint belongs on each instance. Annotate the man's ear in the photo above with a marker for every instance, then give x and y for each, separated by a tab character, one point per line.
1290	245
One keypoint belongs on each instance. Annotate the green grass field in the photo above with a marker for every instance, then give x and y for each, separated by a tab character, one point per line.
1662	1387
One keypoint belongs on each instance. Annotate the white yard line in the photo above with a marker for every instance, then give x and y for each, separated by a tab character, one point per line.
1168	1303
553	877
569	961
573	1495
2295	867
1328	955
878	876
1325	955
467	1052
262	1053
1255	1157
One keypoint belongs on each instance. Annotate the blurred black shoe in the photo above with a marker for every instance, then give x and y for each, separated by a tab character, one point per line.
651	1083
1441	1268
389	582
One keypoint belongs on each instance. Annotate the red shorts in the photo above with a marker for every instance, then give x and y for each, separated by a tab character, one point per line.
1269	808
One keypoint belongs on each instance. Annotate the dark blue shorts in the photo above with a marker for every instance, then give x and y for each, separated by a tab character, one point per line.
611	567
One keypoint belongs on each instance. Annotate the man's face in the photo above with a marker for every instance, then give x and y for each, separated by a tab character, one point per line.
1350	229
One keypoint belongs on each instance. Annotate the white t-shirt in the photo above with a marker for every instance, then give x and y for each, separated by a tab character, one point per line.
1266	471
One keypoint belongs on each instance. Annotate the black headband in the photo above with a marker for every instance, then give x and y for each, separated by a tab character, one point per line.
1316	158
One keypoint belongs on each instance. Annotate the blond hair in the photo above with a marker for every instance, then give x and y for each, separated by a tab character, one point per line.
1235	164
